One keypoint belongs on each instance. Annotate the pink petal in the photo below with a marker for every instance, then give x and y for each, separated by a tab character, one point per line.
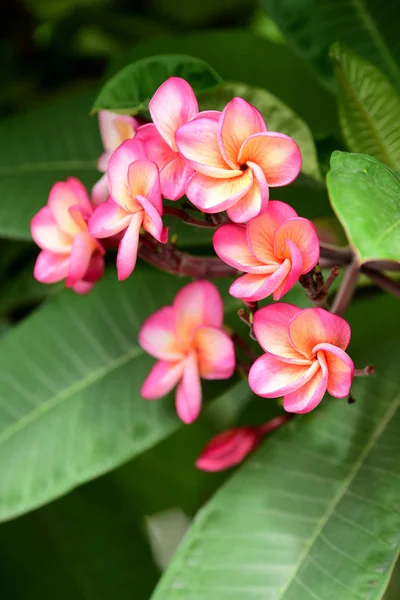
314	326
214	195
82	287
215	353
277	154
144	181
173	104
47	235
50	268
157	335
197	142
128	247
340	369
188	394
62	197
100	191
117	171
102	163
253	288
269	377
228	448
197	304
81	195
271	327
108	219
152	222
308	396
302	233
230	244
162	378
174	177
248	207
261	230
156	148
239	120
95	270
81	253
115	129
296	268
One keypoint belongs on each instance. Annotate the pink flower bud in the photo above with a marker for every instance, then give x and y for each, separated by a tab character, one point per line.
229	448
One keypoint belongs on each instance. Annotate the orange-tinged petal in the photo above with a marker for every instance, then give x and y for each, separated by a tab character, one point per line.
215	353
316	326
213	195
162	378
157	335
255	287
269	377
250	205
271	327
302	233
62	198
230	243
47	234
128	247
340	369
188	394
261	230
309	395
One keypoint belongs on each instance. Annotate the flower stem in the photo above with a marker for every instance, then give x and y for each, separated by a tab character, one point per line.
346	289
385	282
275	423
369	370
188	219
341	255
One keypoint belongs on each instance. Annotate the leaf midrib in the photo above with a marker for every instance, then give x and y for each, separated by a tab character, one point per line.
376	434
64	394
44	167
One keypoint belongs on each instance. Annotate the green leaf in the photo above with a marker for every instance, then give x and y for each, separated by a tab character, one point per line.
239	55
369	108
315	512
130	90
311	26
41	147
70	404
365	195
277	115
90	544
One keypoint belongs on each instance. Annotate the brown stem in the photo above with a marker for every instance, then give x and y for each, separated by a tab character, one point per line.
341	255
248	319
332	276
186	218
275	423
346	289
168	258
369	370
385	282
383	265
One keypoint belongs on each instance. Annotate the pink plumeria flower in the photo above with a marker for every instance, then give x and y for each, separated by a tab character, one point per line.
173	104
134	202
229	448
274	249
114	129
188	340
60	229
305	356
236	160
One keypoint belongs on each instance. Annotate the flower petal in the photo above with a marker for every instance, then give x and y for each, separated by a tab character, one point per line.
213	195
271	328
162	378
156	148
314	326
261	230
152	222
50	268
115	128
108	219
255	287
173	104
117	171
47	235
83	247
296	267
340	369
157	335
197	142
174	177
82	287
269	377
188	394
63	196
239	120
302	233
215	353
197	304
128	247
307	397
230	244
228	448
252	203
144	181
100	191
95	269
277	154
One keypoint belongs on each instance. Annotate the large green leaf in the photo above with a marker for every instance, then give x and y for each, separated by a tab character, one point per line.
90	544
70	404
278	116
369	108
39	148
239	55
365	195
366	26
315	512
131	89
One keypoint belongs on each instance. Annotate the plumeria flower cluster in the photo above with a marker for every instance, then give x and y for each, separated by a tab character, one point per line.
222	161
